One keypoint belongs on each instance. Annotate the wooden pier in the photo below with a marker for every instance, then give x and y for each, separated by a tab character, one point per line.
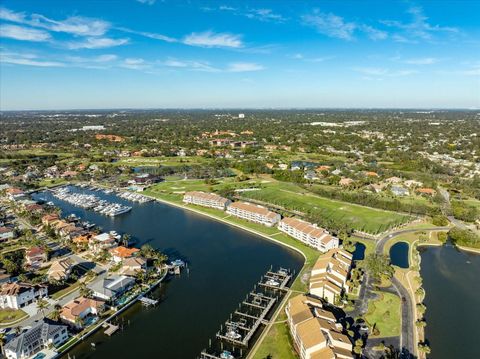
111	328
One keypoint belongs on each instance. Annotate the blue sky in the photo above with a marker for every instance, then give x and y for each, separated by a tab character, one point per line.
257	54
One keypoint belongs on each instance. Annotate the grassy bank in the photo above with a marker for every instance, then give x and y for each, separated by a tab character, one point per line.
384	314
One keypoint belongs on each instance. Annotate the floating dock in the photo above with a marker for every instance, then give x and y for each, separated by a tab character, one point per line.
148	301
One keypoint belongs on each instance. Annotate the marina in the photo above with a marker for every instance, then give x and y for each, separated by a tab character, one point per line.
214	282
237	334
90	201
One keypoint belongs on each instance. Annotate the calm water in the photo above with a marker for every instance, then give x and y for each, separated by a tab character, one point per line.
451	280
224	264
359	253
399	254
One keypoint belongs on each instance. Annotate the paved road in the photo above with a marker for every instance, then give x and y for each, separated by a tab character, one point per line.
406	340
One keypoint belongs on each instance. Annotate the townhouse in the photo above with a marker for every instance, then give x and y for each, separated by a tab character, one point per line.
18	295
254	213
329	276
206	200
315	331
309	234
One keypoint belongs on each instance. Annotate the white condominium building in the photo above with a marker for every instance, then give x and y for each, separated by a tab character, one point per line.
211	200
254	213
309	234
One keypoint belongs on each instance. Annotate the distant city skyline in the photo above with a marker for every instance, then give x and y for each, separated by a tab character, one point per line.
151	54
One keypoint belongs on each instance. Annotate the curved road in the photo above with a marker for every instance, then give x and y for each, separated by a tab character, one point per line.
407	335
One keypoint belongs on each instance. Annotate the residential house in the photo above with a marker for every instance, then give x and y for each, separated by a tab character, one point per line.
427	191
254	213
50	219
112	287
399	191
35	257
131	266
76	311
204	199
393	180
413	183
6	233
15	194
17	295
345	181
100	242
60	270
41	336
120	253
309	234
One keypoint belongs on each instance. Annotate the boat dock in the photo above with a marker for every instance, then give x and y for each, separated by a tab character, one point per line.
111	328
238	331
148	301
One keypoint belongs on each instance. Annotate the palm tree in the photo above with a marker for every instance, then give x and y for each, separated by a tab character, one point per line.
84	290
56	312
79	322
42	305
125	239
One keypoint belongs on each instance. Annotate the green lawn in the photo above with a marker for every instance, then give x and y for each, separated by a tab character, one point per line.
358	217
384	313
278	343
11	315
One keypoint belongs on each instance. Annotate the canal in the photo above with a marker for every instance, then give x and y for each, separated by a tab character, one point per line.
224	263
450	278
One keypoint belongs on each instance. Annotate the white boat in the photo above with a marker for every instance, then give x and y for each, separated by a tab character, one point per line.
272	283
233	334
226	355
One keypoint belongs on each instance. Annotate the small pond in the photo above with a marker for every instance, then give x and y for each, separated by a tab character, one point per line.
399	254
359	253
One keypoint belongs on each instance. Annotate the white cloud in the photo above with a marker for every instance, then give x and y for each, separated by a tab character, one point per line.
418	28
95	59
189	65
373	33
27	60
244	67
148	34
23	33
330	25
96	43
148	2
211	39
422	61
264	15
9	15
75	25
134	64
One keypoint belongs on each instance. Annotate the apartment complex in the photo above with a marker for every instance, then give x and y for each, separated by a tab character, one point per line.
309	234
315	331
329	275
204	199
254	213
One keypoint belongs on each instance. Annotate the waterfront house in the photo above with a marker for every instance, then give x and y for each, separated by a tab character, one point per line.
120	253
254	213
60	270
35	257
50	219
6	233
111	287
18	295
328	279
15	194
76	311
41	336
315	331
131	266
204	199
100	242
308	233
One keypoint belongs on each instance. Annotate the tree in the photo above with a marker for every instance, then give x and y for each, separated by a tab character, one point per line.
378	265
2	343
42	304
85	291
55	315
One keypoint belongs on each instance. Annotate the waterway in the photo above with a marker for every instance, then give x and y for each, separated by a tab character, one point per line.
399	254
451	280
224	263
